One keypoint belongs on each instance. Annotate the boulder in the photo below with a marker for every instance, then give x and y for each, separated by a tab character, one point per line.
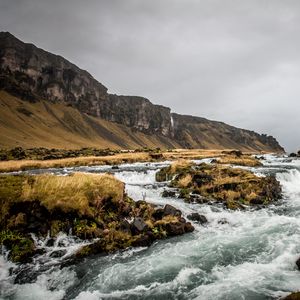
168	193
197	218
143	241
138	225
58	253
158	214
170	210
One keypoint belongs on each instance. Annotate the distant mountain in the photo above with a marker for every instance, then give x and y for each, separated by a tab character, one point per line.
48	101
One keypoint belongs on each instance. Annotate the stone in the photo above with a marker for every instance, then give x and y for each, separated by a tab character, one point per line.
168	193
58	253
143	241
197	218
138	225
158	214
170	210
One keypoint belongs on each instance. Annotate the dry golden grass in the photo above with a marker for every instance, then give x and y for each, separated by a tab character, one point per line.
185	181
181	157
166	220
16	165
245	160
72	193
179	165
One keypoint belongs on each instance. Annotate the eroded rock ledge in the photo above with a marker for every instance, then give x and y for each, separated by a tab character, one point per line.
88	206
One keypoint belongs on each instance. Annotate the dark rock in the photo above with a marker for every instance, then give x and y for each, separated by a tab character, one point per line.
257	201
58	253
298	263
138	225
168	193
115	167
188	227
178	228
223	221
197	218
174	229
143	241
170	210
293	154
158	214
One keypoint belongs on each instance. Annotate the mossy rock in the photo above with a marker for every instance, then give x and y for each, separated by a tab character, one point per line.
21	247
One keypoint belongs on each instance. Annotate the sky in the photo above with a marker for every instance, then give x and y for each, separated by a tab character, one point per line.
236	61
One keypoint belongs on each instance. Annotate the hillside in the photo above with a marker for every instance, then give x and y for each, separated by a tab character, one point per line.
48	101
55	125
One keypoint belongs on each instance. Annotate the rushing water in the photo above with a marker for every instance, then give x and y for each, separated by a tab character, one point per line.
246	254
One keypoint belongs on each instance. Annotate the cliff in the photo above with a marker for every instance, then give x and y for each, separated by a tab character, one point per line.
34	75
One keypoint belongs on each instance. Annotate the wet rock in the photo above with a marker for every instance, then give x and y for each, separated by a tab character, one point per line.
143	241
174	229
50	242
168	193
188	227
223	221
138	225
170	210
88	250
298	263
178	228
158	214
58	253
197	218
26	275
257	201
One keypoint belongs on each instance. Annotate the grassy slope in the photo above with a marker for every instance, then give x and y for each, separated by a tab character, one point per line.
44	124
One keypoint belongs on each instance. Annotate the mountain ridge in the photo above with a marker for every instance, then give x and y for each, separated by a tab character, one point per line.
33	74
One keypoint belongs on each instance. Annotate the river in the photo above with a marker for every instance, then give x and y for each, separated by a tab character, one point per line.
247	254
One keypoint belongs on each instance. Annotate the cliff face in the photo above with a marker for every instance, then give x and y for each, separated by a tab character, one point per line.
32	74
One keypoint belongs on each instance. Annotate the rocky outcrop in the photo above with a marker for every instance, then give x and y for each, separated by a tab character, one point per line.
234	187
32	74
87	205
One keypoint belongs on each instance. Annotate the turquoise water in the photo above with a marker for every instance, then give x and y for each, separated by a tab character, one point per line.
250	256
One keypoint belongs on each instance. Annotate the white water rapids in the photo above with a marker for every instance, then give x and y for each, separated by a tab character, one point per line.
248	254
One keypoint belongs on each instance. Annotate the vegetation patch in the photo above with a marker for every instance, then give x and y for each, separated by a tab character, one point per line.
238	158
232	186
88	205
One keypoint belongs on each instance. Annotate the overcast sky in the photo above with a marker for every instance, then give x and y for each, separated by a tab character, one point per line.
233	61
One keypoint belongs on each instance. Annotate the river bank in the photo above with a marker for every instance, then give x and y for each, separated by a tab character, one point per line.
113	159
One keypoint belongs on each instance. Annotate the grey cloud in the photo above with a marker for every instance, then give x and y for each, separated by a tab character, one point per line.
229	60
